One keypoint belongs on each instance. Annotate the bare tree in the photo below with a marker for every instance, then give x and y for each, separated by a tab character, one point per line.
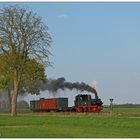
23	35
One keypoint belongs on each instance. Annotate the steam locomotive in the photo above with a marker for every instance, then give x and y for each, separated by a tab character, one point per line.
82	103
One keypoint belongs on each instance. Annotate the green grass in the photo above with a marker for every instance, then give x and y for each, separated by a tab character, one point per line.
105	109
70	125
123	110
24	110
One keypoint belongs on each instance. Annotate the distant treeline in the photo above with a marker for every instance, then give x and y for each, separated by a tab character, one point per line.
20	104
128	105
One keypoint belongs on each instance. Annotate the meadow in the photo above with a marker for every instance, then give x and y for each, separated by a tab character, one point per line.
122	123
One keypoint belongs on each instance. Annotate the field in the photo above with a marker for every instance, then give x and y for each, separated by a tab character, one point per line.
122	123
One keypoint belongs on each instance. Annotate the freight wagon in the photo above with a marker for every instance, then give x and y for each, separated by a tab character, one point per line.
82	103
52	104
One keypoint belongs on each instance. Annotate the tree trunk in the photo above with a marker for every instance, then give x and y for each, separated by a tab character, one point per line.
14	101
9	98
14	94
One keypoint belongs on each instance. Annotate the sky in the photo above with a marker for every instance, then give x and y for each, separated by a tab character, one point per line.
94	41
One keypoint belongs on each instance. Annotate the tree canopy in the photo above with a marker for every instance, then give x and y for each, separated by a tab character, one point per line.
24	40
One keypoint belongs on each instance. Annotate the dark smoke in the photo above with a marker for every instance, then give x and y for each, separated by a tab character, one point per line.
55	84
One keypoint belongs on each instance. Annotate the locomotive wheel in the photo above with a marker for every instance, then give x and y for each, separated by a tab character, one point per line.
86	110
81	109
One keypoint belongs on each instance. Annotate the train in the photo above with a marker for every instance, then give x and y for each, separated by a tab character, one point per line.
82	103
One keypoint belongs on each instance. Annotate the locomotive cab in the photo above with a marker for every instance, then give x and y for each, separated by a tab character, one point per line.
82	100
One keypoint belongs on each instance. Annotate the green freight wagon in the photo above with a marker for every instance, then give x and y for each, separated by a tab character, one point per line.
62	104
34	105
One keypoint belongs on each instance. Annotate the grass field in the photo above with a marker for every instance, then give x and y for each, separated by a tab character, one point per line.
122	123
124	110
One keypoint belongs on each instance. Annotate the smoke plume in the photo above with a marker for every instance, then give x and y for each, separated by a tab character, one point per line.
55	84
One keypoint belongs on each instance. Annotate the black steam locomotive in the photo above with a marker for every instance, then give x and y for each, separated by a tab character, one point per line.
82	103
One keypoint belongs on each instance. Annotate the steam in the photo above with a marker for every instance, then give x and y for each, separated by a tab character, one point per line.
55	84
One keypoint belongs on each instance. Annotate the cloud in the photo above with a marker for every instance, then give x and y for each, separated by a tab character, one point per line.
62	16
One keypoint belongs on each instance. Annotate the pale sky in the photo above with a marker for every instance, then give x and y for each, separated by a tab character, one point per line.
94	42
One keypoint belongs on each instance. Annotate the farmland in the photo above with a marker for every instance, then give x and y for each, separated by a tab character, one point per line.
122	123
